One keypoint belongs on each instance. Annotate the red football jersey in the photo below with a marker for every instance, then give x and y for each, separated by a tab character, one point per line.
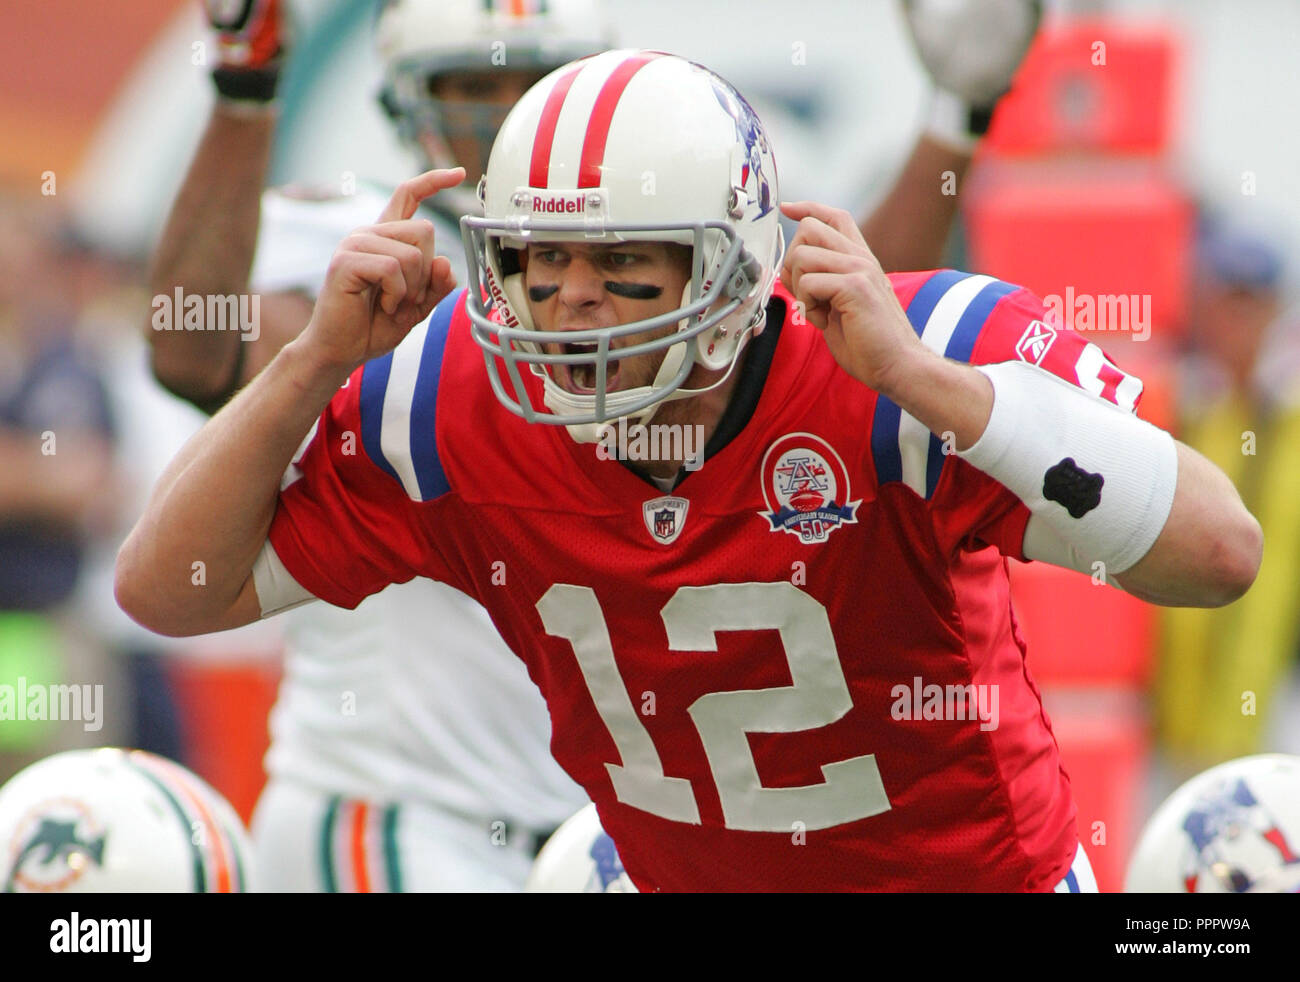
800	669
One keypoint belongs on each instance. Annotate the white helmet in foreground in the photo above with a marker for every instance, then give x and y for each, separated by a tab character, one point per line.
1232	829
579	858
626	146
118	821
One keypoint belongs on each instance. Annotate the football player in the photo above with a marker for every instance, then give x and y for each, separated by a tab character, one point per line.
367	719
789	665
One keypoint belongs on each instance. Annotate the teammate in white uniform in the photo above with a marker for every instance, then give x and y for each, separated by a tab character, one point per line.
409	751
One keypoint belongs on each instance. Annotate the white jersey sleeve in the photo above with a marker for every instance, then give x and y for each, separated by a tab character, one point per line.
300	229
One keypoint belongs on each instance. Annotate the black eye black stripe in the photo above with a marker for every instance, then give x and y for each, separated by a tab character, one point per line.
634	291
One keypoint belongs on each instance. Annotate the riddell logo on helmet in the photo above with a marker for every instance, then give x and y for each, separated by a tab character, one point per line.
500	305
559	204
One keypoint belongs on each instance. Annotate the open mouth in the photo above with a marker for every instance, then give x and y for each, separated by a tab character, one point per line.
580	378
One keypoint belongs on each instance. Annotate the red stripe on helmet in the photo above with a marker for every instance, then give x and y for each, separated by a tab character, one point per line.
602	114
540	166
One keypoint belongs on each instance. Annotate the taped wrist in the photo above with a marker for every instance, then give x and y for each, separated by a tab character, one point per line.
1099	477
955	123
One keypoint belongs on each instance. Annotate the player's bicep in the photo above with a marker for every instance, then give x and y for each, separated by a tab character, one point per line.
343	528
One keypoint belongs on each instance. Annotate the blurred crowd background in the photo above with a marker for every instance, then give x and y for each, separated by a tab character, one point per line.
1148	151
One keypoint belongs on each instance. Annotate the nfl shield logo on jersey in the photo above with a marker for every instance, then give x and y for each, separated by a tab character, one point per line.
665	517
806	487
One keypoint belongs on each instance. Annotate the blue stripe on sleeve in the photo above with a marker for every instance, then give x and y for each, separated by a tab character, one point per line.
933	466
424	402
885	450
374	386
885	423
928	297
884	441
967	332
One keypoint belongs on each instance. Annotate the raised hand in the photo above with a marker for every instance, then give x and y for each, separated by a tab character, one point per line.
383	279
846	295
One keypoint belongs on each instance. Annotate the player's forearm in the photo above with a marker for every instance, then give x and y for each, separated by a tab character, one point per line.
207	246
1210	549
214	504
909	228
1207	547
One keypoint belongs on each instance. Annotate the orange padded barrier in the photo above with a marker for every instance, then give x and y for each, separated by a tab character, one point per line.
1091	85
1078	633
224	707
1088	235
1102	736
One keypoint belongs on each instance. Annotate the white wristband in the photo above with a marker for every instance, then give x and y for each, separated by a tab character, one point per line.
948	122
1099	477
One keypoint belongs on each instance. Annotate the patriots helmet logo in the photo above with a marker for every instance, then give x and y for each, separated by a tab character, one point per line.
1233	841
758	151
604	855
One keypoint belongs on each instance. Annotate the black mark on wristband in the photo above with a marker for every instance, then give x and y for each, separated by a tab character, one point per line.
1070	486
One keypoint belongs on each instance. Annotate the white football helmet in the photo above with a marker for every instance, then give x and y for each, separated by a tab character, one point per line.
118	821
626	146
420	41
579	858
1232	829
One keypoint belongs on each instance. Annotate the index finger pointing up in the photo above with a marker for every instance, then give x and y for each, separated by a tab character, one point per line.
410	193
839	220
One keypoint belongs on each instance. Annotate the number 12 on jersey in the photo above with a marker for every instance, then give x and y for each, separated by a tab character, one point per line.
852	788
